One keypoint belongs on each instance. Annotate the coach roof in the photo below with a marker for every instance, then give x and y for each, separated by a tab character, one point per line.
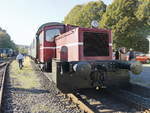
48	24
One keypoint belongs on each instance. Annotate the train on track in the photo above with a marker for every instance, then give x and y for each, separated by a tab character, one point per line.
79	57
6	52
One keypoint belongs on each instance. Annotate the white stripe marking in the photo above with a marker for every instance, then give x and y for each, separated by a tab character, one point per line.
47	47
110	44
68	45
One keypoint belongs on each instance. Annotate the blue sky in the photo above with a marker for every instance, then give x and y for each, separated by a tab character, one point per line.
21	18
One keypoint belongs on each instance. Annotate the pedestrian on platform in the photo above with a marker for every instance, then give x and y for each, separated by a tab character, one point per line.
131	55
117	54
20	60
123	54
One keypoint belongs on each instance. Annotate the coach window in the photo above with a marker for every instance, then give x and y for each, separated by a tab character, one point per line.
50	34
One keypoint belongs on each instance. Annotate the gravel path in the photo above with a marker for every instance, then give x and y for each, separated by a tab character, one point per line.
26	92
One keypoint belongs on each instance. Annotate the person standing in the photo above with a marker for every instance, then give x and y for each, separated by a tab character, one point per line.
20	60
123	54
131	55
117	54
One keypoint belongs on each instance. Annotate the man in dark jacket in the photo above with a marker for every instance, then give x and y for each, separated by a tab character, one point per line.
131	55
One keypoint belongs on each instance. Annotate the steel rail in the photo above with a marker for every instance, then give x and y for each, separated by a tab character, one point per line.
71	97
2	85
79	103
140	105
2	64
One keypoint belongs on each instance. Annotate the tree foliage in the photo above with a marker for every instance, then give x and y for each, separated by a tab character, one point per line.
143	11
72	17
129	20
128	23
143	16
5	40
22	49
82	15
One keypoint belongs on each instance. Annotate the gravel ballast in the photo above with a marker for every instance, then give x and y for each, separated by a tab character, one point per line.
29	91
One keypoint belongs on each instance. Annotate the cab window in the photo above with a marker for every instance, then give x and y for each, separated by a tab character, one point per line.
51	33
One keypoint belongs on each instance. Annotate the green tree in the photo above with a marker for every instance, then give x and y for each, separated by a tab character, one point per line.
143	15
5	40
82	15
126	28
72	16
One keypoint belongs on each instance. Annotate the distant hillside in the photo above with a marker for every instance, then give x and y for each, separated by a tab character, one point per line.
22	46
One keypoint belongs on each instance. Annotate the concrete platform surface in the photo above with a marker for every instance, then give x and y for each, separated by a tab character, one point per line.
144	78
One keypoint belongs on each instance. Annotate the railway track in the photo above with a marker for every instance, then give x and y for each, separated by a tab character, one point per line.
133	99
113	101
3	69
102	102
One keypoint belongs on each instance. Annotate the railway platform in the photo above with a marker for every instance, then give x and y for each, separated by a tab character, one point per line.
144	78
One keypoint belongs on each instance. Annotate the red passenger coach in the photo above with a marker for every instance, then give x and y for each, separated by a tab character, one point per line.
46	44
80	57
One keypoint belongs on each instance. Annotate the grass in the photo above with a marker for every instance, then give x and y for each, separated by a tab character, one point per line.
25	77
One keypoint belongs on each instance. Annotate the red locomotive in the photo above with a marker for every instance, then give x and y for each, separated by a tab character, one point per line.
79	57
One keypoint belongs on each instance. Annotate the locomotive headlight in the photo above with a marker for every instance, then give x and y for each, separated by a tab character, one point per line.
82	68
94	24
136	67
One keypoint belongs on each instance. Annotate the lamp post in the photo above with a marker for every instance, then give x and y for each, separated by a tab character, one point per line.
148	38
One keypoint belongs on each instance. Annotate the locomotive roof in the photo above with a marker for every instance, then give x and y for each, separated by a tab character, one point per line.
49	24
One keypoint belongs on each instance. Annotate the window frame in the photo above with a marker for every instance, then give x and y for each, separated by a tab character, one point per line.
52	38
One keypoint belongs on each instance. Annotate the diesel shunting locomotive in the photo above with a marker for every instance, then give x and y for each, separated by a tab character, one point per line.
80	57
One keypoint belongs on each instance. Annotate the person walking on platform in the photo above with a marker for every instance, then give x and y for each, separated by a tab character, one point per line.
20	60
